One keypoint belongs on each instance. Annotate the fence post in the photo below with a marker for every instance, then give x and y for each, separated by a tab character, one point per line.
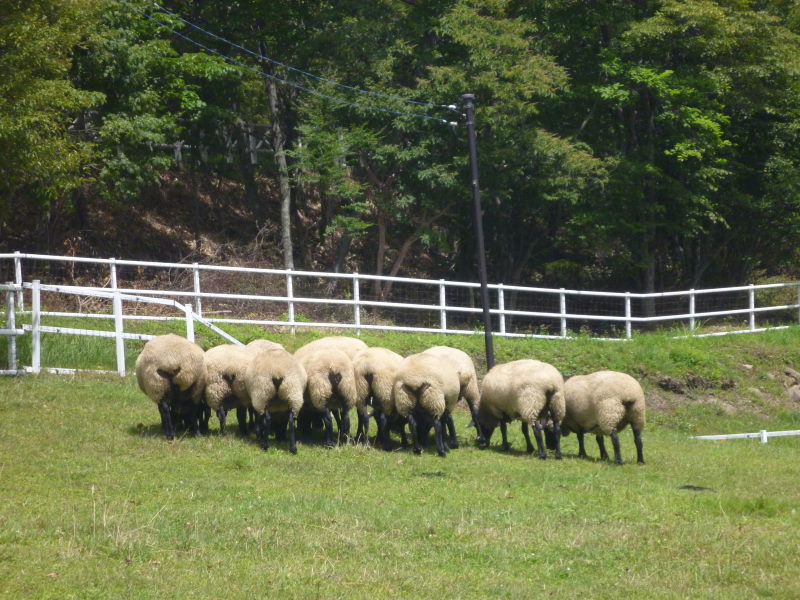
18	280
628	324
187	308
118	329
112	265
290	301
198	305
752	300
442	305
11	323
763	436
692	309
501	305
562	302
36	323
356	304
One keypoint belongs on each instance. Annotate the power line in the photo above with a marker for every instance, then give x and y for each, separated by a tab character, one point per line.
281	80
295	69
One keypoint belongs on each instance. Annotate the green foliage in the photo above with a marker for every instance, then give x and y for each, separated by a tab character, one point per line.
650	144
40	160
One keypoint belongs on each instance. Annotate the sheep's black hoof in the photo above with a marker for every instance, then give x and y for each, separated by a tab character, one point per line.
639	462
417	450
543	457
442	454
506	447
293	450
453	444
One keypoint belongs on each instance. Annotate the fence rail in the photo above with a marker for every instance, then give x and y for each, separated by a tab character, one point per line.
36	329
215	295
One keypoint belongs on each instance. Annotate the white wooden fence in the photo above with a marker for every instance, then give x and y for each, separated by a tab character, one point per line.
36	329
216	295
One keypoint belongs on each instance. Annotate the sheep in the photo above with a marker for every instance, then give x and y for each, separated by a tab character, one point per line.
374	370
275	381
170	370
262	344
425	388
468	380
604	403
225	366
526	390
349	345
331	387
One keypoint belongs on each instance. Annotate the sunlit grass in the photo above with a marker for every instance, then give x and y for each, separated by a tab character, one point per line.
94	503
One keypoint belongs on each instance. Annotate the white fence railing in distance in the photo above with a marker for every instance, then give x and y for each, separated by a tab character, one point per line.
292	299
36	328
762	435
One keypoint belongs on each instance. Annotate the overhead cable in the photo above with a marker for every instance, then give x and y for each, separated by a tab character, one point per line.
280	80
295	69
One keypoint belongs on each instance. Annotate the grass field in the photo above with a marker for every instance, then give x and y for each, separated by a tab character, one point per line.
94	503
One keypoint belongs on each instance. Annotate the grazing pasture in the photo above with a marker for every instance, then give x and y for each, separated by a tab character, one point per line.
94	503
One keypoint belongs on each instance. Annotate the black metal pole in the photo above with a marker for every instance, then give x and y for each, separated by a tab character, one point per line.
478	218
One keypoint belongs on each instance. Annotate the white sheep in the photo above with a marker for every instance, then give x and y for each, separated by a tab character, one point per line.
349	345
263	344
331	388
468	381
170	370
526	390
374	370
425	390
604	403
225	367
275	381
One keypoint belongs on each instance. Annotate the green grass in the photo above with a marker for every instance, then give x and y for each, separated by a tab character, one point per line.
94	503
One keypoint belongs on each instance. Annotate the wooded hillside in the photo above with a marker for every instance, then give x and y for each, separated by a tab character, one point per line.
643	146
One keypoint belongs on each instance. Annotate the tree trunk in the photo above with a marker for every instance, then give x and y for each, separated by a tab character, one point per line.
279	148
380	252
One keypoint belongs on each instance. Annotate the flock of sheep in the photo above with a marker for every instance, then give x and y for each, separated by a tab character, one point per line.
280	392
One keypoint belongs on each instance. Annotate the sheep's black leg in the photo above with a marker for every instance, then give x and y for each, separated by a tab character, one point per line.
166	420
601	443
537	433
326	418
557	436
381	422
205	417
526	433
292	436
412	427
451	429
637	439
437	429
337	416
383	432
363	427
195	415
479	439
241	416
222	414
264	429
403	435
344	425
504	433
615	443
251	412
581	447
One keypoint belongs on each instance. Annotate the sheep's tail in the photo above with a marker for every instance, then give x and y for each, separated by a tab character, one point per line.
277	381
168	375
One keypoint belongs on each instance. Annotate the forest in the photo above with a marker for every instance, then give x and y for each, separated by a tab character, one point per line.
640	145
